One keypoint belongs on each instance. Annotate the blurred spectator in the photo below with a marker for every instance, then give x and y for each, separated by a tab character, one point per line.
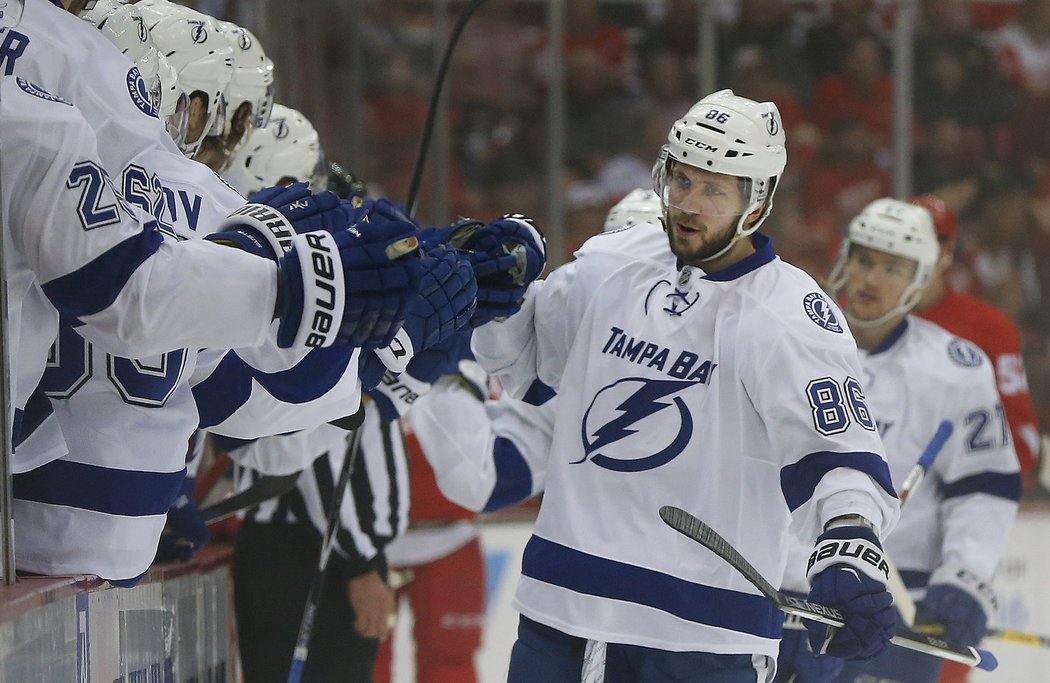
1023	47
1004	263
753	77
861	89
845	178
498	108
836	30
949	155
767	25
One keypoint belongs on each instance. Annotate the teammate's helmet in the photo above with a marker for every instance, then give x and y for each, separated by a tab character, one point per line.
732	135
943	217
250	92
194	45
125	27
288	147
897	228
639	206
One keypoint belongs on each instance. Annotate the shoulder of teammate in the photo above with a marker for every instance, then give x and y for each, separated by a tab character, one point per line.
642	241
954	361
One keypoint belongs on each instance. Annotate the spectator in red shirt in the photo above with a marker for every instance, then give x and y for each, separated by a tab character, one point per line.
861	89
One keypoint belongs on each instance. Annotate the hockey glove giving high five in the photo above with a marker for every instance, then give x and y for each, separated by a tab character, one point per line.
507	255
353	286
266	225
847	571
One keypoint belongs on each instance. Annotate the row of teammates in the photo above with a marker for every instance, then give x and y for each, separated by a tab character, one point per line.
789	441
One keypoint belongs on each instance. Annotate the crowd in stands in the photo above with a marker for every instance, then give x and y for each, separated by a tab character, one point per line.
981	107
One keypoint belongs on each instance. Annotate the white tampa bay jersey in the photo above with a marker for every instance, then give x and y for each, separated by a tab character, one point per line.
735	396
961	514
126	419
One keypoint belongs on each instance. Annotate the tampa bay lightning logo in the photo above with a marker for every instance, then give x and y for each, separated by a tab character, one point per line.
676	302
198	32
140	93
964	353
637	424
244	41
37	91
821	312
280	128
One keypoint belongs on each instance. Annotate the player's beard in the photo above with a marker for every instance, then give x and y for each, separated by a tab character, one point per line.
714	239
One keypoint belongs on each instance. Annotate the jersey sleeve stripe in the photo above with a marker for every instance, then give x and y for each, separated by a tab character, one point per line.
998	484
102	489
513	476
582	572
96	285
799	480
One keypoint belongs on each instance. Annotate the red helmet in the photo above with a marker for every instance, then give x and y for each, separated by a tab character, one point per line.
943	217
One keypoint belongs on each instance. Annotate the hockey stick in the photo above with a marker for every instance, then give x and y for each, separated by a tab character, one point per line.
265	488
894	583
688	525
1005	635
435	97
313	596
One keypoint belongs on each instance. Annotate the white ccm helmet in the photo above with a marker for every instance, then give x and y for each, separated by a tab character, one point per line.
251	83
638	206
195	46
897	228
125	27
287	147
732	135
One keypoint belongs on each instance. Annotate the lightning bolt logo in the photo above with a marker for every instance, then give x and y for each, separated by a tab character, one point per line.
651	397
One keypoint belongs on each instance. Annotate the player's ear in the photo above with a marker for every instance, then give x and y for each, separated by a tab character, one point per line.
756	214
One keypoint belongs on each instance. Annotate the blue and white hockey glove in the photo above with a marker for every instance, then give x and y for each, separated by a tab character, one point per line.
506	254
185	530
847	571
353	286
959	601
266	225
447	298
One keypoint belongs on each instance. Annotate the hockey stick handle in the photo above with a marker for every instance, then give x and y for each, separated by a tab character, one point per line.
1019	637
925	461
313	596
688	525
895	584
907	638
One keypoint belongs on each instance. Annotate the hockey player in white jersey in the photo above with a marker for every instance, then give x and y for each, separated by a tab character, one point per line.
286	149
153	175
952	532
693	368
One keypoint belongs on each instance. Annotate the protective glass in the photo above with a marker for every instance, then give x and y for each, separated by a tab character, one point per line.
177	123
319	175
703	194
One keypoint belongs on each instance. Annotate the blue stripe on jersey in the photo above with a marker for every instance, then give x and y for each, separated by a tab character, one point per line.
102	489
998	484
914	578
581	572
513	476
230	385
96	285
38	408
538	393
800	479
763	254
